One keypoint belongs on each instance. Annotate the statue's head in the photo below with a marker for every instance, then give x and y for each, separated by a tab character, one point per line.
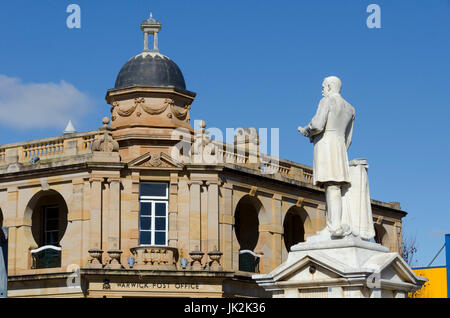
331	85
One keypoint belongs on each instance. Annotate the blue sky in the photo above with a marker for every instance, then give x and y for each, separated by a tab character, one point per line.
261	64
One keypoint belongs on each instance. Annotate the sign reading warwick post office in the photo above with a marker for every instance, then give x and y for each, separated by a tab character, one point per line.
177	286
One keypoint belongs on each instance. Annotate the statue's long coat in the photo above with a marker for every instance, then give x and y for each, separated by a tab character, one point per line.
331	131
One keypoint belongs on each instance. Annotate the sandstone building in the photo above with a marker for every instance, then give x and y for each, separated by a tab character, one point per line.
113	213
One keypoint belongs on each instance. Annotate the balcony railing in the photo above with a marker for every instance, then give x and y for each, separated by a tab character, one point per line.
155	257
249	261
47	256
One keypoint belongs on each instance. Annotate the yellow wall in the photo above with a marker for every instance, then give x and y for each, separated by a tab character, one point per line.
436	287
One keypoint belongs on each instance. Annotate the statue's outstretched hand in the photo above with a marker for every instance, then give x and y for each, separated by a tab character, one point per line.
304	131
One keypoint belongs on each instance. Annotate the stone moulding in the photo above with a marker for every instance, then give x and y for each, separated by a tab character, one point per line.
155	257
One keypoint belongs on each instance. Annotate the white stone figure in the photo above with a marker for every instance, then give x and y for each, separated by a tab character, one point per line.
331	132
357	209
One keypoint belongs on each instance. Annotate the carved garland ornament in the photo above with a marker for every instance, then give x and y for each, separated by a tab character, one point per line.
124	111
180	114
156	110
151	110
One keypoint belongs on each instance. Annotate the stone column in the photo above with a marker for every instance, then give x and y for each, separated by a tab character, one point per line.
213	216
226	220
155	41
114	214
72	251
145	41
173	210
12	239
95	236
13	244
194	215
204	219
133	216
86	219
22	240
277	228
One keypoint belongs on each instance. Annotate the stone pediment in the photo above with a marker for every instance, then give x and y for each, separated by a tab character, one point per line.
393	268
156	160
347	265
325	267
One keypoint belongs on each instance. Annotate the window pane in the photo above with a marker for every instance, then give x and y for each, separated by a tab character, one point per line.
160	238
52	225
160	209
146	223
51	238
51	213
146	208
160	224
146	238
154	189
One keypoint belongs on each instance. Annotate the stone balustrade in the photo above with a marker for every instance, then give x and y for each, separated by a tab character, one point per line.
155	257
265	164
81	143
48	148
44	150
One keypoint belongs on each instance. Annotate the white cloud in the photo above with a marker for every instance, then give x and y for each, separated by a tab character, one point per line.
40	105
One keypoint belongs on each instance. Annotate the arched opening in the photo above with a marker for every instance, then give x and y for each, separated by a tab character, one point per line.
48	212
381	236
294	226
247	232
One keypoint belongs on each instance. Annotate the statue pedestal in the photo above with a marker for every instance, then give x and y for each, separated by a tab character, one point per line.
341	268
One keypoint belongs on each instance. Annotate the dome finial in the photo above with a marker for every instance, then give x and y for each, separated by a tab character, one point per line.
152	27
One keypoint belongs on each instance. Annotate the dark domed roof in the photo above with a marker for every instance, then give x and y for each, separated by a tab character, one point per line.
150	69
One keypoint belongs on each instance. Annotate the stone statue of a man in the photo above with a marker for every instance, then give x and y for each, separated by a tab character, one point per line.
331	132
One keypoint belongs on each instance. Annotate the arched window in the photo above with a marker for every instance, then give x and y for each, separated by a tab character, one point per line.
381	236
294	229
49	223
247	232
